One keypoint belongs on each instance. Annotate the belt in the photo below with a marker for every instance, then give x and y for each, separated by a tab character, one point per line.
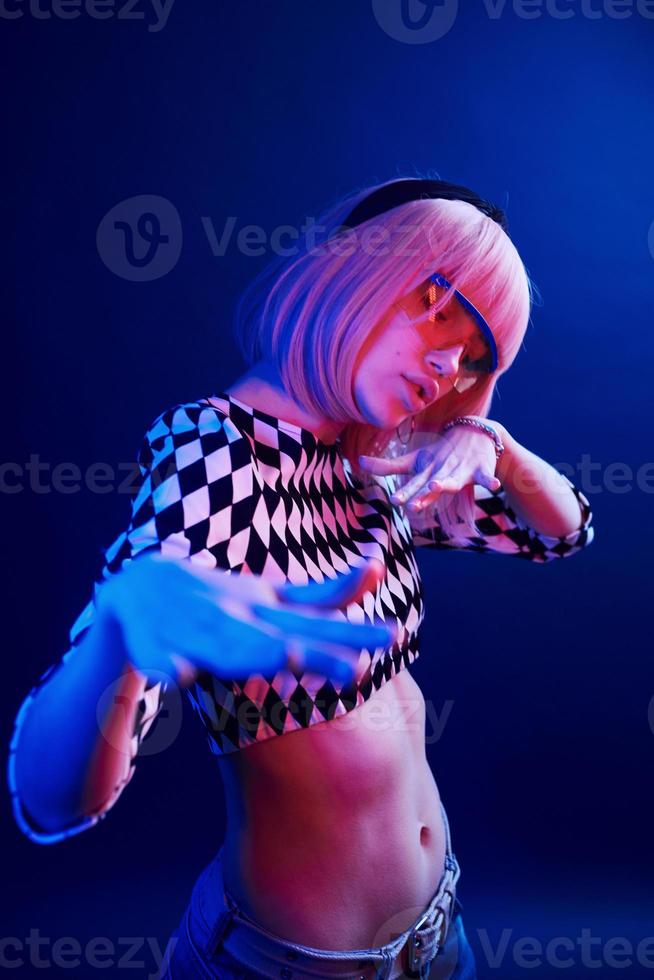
427	937
424	942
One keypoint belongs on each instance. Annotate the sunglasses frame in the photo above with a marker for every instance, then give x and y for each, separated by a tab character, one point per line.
440	280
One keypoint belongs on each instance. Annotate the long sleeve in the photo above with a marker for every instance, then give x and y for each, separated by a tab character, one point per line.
502	531
194	500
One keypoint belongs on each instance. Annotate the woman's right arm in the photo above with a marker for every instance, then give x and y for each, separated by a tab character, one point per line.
73	748
169	600
56	728
80	733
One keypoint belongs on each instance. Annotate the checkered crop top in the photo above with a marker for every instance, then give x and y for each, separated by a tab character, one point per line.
232	487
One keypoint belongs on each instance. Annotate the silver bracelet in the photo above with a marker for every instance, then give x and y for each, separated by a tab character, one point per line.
488	429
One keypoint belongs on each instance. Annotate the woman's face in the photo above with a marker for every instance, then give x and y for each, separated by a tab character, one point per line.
410	361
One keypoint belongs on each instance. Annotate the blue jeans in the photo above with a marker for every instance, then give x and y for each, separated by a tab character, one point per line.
216	939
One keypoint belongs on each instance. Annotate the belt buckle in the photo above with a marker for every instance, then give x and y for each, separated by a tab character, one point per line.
441	921
415	939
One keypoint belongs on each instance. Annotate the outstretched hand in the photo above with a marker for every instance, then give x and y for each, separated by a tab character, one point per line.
177	618
445	464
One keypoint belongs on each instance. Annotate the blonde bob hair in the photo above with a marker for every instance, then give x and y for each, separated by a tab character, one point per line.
310	313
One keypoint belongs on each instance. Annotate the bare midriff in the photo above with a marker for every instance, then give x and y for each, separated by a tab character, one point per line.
335	837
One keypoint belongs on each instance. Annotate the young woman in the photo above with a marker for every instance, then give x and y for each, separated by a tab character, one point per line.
337	860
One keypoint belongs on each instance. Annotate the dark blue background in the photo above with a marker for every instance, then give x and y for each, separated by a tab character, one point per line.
264	112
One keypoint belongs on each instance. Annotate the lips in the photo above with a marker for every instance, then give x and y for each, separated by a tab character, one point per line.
416	399
424	390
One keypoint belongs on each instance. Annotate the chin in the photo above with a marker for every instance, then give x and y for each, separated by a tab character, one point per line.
383	405
395	416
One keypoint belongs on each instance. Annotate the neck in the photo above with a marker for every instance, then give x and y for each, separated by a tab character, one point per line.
261	387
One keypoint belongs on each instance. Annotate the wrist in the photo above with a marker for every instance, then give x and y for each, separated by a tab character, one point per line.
107	638
509	443
499	428
490	429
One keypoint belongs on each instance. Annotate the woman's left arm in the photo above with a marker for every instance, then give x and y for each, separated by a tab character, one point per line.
535	491
522	505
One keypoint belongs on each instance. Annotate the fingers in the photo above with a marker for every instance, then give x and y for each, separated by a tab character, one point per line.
315	628
452	483
444	484
338	592
176	623
431	491
244	650
237	650
331	660
411	488
423	466
383	467
488	480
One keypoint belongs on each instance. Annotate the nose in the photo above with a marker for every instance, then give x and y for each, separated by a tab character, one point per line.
446	362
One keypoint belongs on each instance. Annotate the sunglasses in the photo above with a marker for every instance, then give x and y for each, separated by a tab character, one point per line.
481	358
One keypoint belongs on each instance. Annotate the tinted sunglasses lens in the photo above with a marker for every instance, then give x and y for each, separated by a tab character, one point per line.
471	371
463	382
483	364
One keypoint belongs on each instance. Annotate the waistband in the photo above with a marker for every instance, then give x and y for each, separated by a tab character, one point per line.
271	955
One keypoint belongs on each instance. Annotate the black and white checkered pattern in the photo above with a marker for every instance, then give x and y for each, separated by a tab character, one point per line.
232	487
502	531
